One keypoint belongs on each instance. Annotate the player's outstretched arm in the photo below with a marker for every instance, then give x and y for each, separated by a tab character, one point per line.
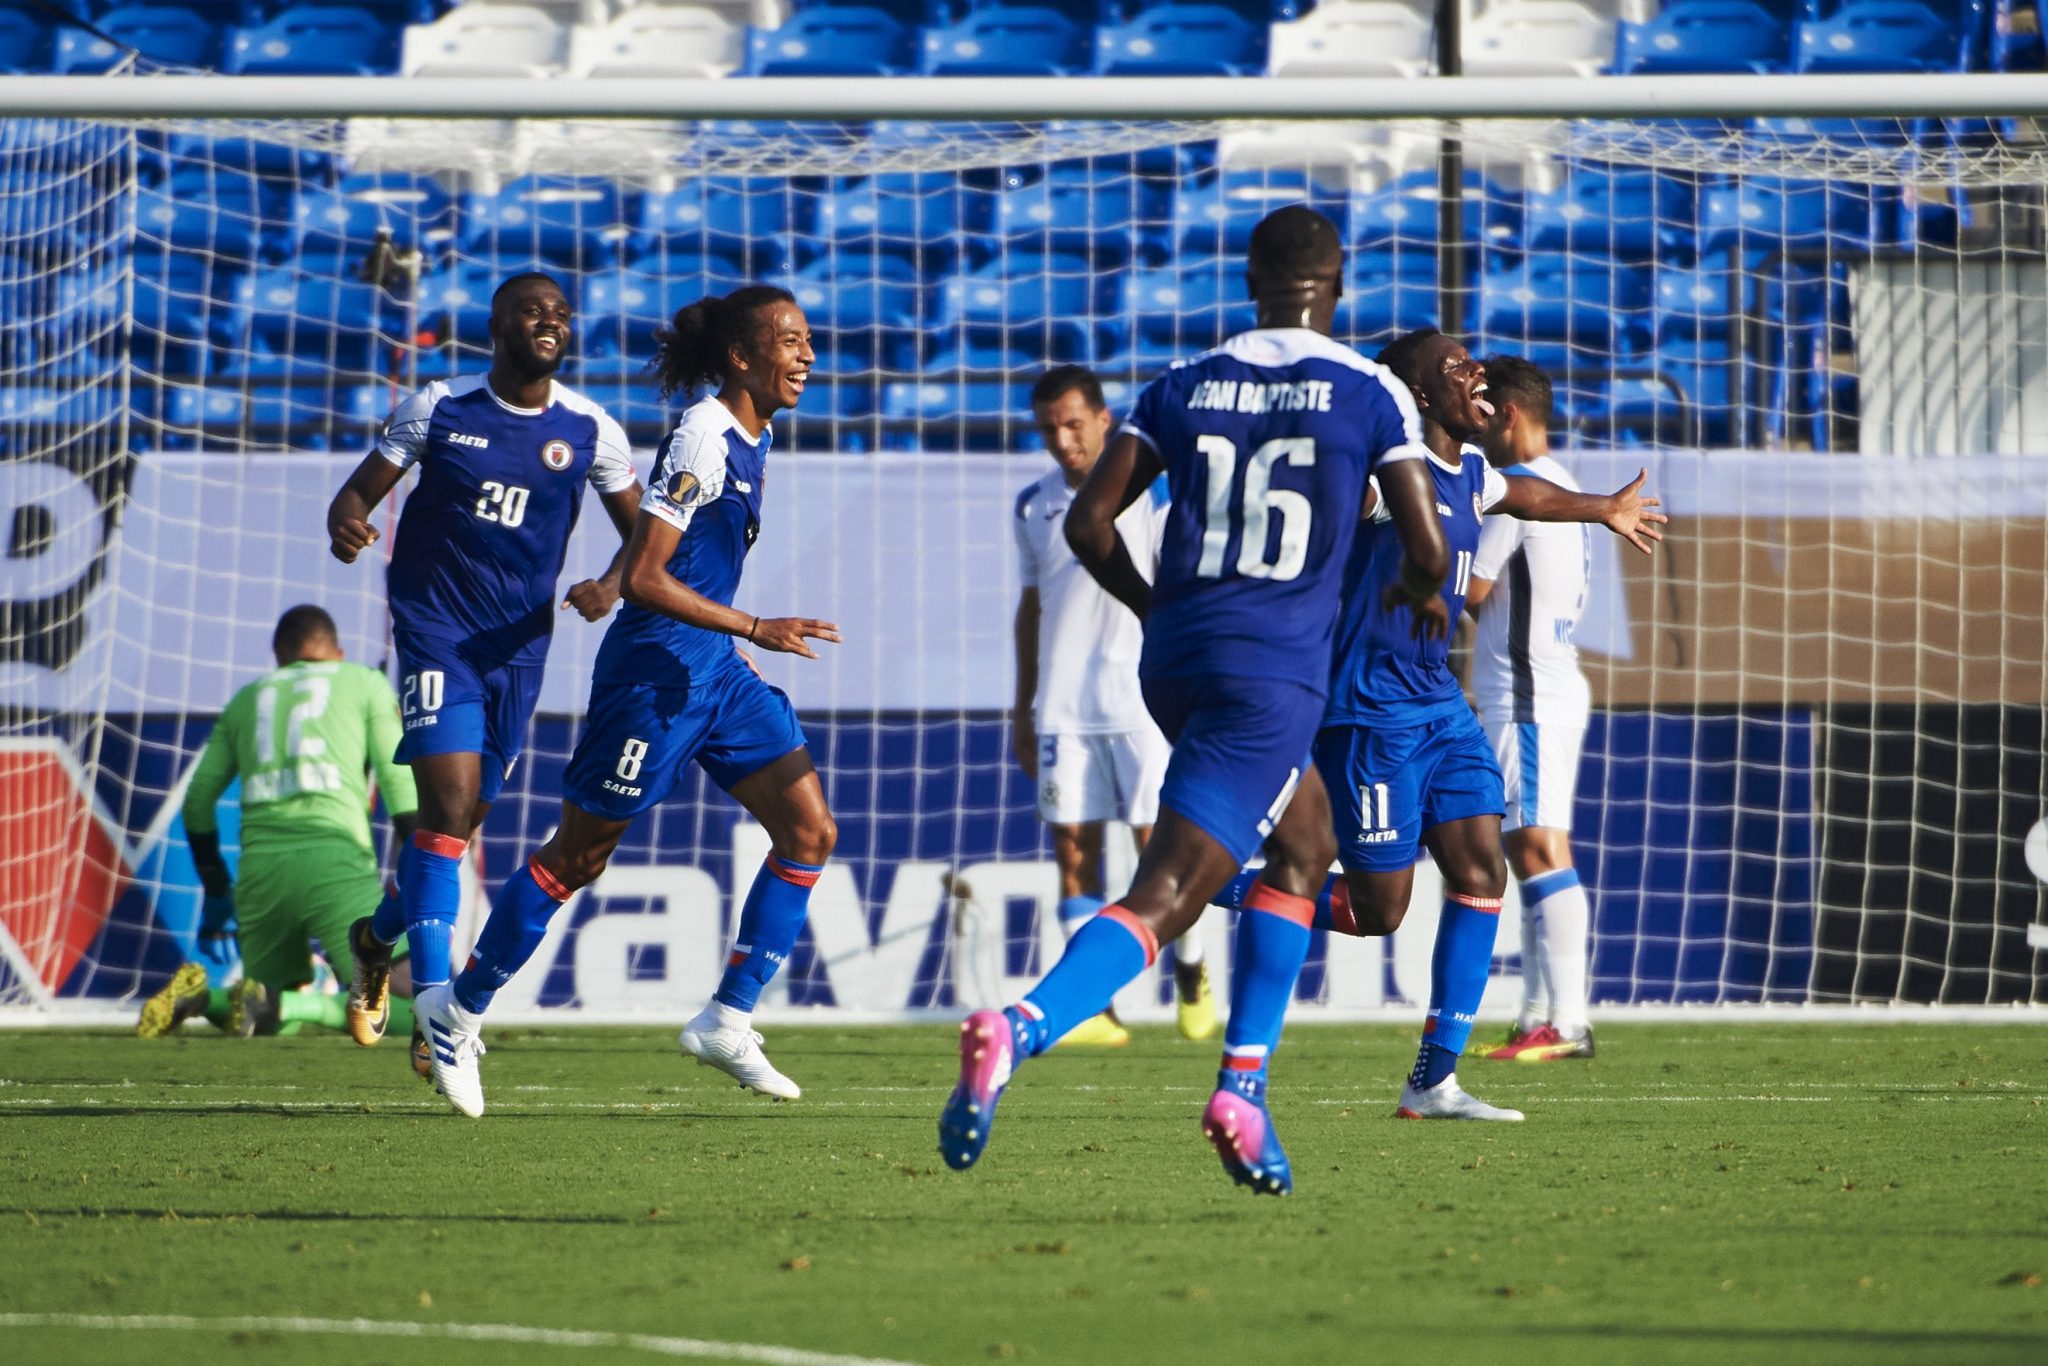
349	531
1024	630
647	583
1625	512
1120	478
594	599
1410	497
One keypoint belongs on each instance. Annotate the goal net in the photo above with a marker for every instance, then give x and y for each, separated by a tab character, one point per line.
1815	773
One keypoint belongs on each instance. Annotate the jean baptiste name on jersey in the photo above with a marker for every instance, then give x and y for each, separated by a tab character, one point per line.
1250	396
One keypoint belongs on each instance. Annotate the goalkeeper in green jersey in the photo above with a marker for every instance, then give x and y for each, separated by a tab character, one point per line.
303	739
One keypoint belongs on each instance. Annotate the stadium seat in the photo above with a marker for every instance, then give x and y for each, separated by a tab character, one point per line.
1538	38
619	311
744	222
225	221
454	306
1217	214
1564	298
1879	35
1092	213
659	40
1354	38
849	41
1628	212
572	221
1406	211
486	40
1759	215
160	36
1181	40
916	217
1178	311
27	46
340	225
1694	303
302	324
1044	303
314	40
1004	41
1704	36
868	309
1387	293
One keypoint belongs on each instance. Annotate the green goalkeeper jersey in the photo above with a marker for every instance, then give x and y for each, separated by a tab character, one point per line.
303	740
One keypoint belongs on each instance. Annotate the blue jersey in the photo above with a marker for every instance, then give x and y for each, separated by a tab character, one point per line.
1267	442
707	483
1382	674
482	538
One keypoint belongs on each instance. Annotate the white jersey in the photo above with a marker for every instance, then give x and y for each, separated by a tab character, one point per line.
1088	642
1524	665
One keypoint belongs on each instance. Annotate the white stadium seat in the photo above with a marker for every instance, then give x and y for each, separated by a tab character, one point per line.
596	13
658	40
486	40
739	13
1359	38
1538	38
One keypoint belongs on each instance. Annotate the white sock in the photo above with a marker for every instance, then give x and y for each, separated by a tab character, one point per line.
1565	914
717	1014
1189	950
1534	1008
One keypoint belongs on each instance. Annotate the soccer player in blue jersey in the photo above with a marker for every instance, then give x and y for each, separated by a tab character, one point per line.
1402	754
671	688
503	460
1266	442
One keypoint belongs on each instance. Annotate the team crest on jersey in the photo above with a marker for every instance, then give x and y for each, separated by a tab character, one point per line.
1478	506
556	455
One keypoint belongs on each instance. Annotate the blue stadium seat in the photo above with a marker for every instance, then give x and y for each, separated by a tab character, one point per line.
1387	293
1405	211
1879	35
307	325
162	35
1597	210
220	13
1704	36
1695	303
866	309
853	40
337	226
619	311
27	46
1761	215
572	221
1018	308
314	40
29	413
917	217
1179	311
1004	41
744	222
310	416
1182	40
227	219
185	323
1065	212
1217	214
1570	299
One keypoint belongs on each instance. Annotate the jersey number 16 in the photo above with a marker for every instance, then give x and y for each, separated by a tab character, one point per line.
1260	505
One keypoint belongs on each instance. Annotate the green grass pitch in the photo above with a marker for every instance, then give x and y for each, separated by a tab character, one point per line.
1703	1191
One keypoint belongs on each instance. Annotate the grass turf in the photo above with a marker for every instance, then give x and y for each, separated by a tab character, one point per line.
1701	1192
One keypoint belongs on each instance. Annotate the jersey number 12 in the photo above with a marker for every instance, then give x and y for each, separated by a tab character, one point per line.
1261	505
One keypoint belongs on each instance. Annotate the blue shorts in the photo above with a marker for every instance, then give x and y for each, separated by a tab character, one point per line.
1239	747
1390	785
451	705
637	738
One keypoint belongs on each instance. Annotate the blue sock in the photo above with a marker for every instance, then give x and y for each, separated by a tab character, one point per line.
518	922
1333	902
1272	941
1234	891
387	922
1075	910
770	921
1458	968
430	885
1101	959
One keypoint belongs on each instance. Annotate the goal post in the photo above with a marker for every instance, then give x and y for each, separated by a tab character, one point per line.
1814	308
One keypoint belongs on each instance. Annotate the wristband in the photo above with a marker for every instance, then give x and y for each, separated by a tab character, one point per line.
751	629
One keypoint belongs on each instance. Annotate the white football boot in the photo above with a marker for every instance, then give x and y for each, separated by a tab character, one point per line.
1448	1100
735	1049
454	1043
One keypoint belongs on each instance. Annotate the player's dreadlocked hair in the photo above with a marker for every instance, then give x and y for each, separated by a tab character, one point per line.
1510	379
299	627
692	349
1403	355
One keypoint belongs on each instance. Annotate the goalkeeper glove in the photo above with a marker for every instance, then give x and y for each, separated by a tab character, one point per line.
217	931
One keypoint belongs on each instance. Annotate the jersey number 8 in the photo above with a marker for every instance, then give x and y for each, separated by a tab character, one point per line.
504	504
630	755
1261	504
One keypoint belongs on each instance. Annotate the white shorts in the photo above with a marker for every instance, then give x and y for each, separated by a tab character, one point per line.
1539	767
1114	776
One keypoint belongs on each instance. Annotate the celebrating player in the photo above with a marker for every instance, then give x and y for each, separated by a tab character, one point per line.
1528	588
1266	442
503	459
302	738
671	687
1080	725
1400	751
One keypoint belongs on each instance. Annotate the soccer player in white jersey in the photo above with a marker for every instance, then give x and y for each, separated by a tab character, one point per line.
1080	725
1528	589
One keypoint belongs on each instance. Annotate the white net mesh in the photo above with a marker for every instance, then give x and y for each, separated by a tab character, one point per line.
1818	747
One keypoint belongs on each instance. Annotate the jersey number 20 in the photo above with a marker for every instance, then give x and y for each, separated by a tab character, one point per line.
504	504
1261	504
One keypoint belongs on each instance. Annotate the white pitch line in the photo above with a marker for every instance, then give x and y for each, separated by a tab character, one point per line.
465	1332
